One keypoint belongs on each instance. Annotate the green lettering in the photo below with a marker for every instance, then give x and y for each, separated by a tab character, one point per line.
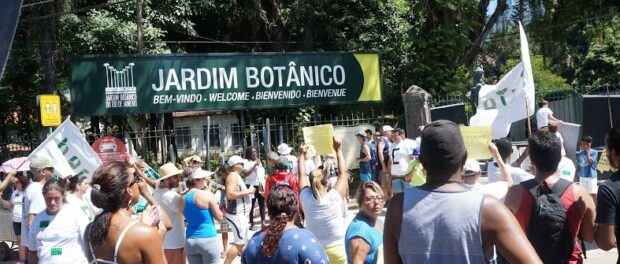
62	144
74	162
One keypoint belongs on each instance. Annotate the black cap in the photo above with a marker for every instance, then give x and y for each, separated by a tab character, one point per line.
442	144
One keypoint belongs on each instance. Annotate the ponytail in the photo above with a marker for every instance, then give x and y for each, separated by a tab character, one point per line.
318	182
273	235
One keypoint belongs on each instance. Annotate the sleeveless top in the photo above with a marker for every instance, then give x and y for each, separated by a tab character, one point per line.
386	153
118	245
199	221
242	204
364	165
449	235
573	214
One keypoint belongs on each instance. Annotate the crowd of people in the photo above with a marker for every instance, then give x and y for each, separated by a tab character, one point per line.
126	213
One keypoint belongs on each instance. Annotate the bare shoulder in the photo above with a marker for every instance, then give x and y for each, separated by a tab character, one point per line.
394	214
513	197
141	232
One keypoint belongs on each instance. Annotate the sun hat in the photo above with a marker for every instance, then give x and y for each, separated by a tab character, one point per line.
199	174
387	128
284	149
471	167
38	163
191	159
168	170
235	160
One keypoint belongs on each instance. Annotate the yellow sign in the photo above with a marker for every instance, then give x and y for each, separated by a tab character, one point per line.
603	162
50	110
320	137
476	139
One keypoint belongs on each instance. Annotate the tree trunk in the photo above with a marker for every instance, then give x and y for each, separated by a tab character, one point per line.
470	55
47	45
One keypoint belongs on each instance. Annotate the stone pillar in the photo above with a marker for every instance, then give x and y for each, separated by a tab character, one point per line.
417	110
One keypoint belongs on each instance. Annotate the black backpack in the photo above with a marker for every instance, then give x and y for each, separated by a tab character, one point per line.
548	228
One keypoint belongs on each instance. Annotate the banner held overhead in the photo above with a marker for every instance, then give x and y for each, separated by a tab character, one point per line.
154	84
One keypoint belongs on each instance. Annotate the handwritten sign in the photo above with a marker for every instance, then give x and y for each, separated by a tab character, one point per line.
476	139
603	162
320	137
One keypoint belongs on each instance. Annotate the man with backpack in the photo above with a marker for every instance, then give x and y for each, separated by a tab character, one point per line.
282	176
552	211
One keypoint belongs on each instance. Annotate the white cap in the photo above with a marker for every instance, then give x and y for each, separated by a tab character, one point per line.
387	128
284	149
200	174
235	160
471	167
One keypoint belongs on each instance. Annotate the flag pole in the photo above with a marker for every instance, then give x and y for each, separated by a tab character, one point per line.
529	122
611	123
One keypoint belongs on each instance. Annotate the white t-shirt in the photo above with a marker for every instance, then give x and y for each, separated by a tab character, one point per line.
542	116
324	218
81	205
169	201
17	199
518	175
400	156
495	189
253	178
59	238
557	134
34	203
567	169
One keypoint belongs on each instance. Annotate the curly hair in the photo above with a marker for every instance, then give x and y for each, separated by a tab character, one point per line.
282	206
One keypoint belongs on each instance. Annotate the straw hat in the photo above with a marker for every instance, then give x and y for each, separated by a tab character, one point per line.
168	170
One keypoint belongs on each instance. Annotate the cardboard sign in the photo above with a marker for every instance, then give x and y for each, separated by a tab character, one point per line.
109	148
321	138
476	139
603	162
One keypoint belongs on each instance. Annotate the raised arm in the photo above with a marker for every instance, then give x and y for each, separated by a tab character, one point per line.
342	183
302	180
231	184
503	169
5	182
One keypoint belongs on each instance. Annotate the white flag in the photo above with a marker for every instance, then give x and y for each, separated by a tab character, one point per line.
510	100
68	148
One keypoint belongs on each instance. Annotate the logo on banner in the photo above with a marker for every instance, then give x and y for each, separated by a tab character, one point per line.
109	148
120	90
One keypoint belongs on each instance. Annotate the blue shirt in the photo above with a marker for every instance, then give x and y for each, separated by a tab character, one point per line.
296	246
361	228
585	170
199	221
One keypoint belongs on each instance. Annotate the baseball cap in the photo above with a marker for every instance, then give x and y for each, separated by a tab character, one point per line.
39	163
361	134
442	145
387	128
235	160
471	167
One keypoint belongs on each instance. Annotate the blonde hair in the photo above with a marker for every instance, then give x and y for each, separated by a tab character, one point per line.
318	183
359	195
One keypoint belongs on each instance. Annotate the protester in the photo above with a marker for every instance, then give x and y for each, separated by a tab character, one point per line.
504	147
364	236
544	116
77	186
282	241
200	210
238	204
42	170
147	175
383	156
472	173
255	177
172	203
444	223
193	161
57	232
577	205
364	157
587	160
372	144
271	162
330	168
5	183
401	153
322	207
282	177
223	172
608	204
553	128
114	236
285	151
15	203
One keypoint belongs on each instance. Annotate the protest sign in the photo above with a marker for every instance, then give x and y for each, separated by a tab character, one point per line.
603	163
68	148
118	85
110	149
476	139
320	137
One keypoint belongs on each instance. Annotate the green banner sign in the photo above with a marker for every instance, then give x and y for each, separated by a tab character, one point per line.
169	83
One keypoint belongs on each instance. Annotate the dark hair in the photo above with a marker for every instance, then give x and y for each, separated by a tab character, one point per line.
54	185
23	179
74	181
248	152
504	146
281	163
543	103
398	131
282	206
109	183
587	139
612	142
189	183
223	169
552	127
545	151
368	132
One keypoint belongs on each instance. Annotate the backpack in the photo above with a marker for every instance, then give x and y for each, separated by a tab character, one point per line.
548	227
